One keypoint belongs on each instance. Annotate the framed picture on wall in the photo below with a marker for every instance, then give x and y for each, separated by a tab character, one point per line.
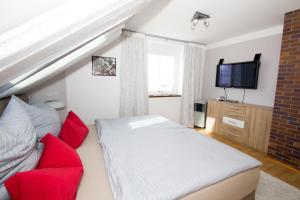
103	66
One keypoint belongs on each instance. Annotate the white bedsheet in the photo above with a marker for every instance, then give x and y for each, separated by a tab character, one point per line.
164	160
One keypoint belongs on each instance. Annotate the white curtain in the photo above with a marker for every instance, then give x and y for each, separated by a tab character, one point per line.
191	83
134	78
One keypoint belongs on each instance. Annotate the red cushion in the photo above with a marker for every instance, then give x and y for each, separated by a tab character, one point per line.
73	131
57	154
57	176
73	117
45	184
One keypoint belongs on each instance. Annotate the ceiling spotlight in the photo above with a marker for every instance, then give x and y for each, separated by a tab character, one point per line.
197	17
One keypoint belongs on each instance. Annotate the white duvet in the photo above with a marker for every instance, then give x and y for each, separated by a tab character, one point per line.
152	158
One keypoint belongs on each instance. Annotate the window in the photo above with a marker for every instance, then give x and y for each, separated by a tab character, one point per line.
165	69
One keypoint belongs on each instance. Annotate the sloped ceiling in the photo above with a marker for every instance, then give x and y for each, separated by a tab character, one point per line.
13	13
229	18
50	42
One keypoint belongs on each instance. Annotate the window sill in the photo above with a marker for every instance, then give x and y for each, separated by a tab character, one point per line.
164	95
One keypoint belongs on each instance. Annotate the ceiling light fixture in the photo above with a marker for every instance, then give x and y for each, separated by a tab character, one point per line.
197	17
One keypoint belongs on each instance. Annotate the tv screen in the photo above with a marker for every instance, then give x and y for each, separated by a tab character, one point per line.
238	75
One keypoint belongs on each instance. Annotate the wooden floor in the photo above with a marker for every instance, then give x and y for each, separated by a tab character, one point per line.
271	166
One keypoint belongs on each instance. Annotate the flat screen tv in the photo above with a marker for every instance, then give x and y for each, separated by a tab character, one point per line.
238	75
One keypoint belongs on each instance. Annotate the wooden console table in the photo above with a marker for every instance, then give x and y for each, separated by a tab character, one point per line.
245	123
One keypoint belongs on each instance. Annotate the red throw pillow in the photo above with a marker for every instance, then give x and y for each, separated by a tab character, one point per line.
45	184
57	176
73	117
57	154
73	131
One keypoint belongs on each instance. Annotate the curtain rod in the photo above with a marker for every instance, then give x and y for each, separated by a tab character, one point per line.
165	38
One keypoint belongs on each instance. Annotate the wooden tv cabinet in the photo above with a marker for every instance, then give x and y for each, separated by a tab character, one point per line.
244	123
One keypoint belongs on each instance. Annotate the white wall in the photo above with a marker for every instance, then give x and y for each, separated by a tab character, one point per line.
166	106
94	96
99	96
53	89
245	51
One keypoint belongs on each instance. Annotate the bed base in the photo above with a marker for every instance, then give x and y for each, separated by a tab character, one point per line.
250	196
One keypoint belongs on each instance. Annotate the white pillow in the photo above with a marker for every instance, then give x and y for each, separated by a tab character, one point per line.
17	141
44	118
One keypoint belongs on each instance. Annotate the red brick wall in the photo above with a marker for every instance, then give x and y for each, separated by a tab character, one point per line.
285	131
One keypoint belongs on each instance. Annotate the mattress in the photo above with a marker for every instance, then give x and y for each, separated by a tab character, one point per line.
95	183
151	157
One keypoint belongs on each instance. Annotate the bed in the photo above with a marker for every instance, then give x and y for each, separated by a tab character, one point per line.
96	184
